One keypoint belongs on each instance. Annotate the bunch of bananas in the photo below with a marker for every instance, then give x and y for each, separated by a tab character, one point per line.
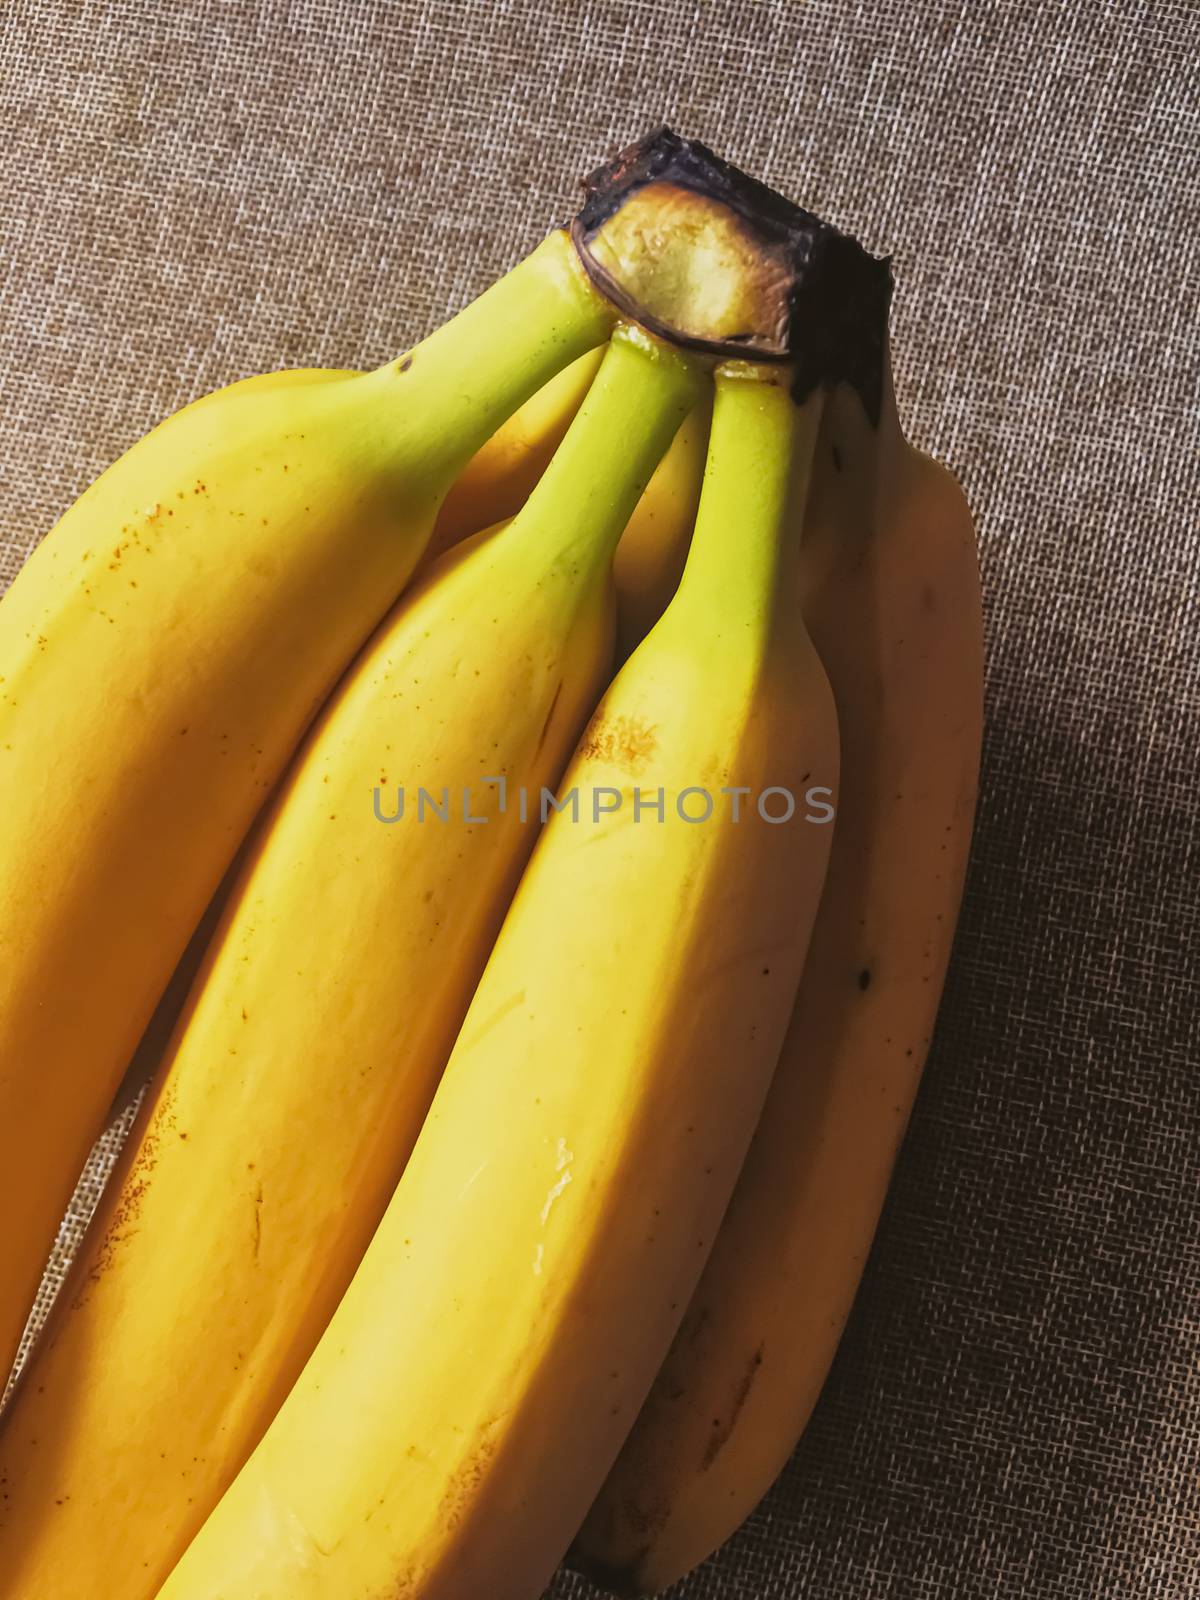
523	1113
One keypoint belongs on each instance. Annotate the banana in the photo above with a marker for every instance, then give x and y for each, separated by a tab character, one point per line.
890	590
312	1041
457	1417
160	656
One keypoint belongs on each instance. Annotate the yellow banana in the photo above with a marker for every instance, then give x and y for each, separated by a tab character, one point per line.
890	590
312	1041
458	1415
160	656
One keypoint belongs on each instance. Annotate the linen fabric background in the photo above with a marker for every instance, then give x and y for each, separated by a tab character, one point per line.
194	192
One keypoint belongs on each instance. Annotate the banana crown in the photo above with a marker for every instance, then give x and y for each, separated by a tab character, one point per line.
709	257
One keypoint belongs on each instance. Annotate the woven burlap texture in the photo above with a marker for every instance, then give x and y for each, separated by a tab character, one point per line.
196	192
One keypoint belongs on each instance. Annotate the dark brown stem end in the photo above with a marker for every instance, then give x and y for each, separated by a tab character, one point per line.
709	258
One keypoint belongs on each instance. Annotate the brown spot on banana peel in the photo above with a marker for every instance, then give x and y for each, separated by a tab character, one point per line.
625	742
723	1427
549	718
464	1487
131	1183
696	1325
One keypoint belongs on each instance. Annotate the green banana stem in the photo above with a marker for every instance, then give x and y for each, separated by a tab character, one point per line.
636	403
750	517
479	367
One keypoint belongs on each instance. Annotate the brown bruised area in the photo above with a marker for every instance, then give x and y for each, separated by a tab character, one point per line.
549	718
463	1489
624	742
723	1427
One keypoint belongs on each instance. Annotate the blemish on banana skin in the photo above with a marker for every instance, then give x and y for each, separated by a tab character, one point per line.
562	1166
723	1427
128	1198
626	742
465	1482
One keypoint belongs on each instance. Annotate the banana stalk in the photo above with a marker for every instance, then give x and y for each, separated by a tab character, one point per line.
458	1416
312	1041
503	473
649	562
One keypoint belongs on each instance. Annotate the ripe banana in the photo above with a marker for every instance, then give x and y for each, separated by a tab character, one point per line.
460	1411
161	654
890	591
312	1041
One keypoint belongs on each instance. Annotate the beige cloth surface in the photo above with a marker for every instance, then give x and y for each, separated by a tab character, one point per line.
197	191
